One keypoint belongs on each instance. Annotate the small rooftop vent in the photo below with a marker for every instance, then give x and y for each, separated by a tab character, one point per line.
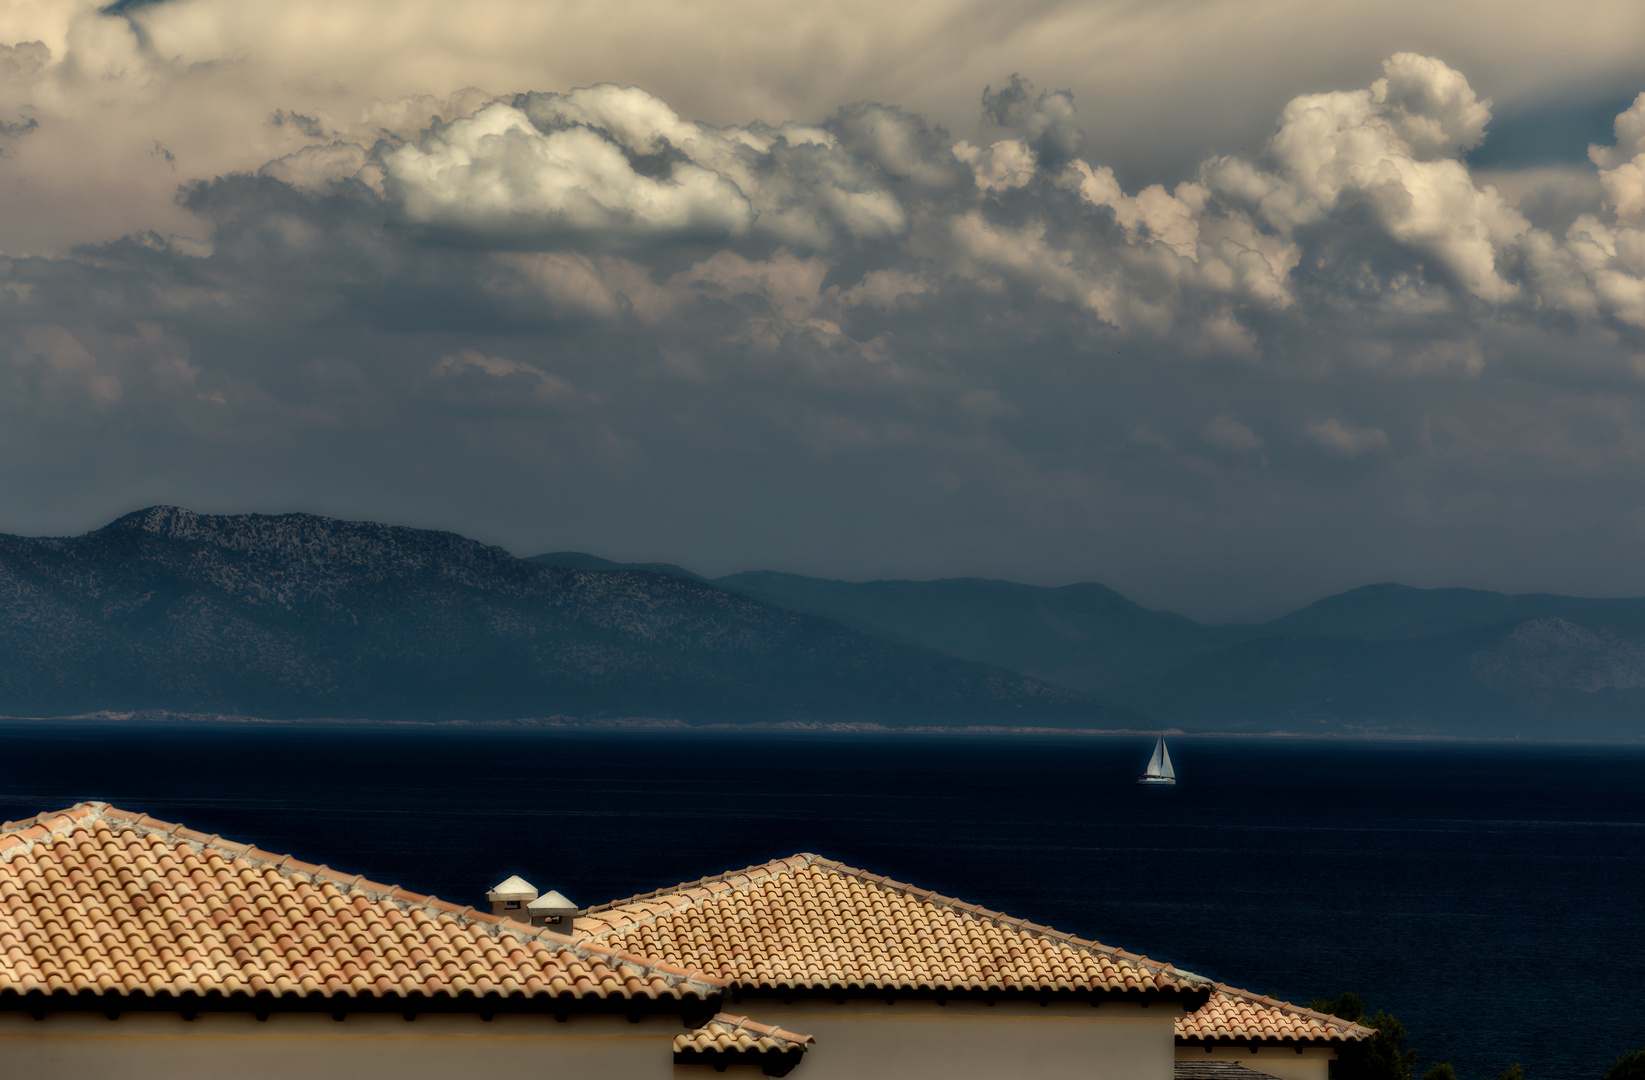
553	910
511	897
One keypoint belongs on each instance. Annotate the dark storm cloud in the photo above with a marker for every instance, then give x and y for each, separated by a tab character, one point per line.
862	346
1044	121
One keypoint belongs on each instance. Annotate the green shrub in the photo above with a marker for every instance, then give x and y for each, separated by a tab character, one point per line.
1628	1067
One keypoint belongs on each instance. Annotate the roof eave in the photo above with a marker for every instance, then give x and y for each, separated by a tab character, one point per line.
771	1062
1299	1045
37	1002
1189	999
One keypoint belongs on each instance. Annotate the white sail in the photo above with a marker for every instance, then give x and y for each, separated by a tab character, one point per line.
1160	773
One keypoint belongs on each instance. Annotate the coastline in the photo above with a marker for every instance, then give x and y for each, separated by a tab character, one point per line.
638	724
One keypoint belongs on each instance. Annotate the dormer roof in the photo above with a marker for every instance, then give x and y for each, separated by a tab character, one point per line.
514	887
553	900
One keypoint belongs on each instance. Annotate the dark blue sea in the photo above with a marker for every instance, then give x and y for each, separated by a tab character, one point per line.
1490	896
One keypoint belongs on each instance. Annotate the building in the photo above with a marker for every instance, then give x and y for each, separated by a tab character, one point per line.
136	948
878	969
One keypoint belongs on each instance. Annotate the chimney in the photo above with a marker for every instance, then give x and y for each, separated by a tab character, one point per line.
553	911
510	898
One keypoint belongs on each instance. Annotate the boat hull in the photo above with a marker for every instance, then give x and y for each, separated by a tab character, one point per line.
1157	781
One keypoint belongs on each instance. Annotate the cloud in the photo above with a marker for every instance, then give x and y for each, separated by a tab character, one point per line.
536	382
1045	122
1156	91
1226	433
1622	166
615	166
495	173
1347	440
859	341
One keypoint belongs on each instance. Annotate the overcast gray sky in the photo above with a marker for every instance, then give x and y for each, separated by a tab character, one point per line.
1228	305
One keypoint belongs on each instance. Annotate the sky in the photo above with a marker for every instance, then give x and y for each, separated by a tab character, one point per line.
1227	305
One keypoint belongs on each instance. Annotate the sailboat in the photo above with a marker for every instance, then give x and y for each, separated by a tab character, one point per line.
1159	771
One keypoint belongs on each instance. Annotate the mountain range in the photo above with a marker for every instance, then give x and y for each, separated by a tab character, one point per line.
1384	658
297	616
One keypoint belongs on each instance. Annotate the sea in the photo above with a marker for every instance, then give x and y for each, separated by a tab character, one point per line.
1489	895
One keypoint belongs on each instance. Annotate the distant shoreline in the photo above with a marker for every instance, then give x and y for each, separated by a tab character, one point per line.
164	717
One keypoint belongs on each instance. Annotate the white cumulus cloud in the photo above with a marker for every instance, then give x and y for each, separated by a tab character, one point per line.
495	172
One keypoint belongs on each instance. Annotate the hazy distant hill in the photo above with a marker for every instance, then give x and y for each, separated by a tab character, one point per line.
1544	677
1399	611
1380	658
302	616
1079	636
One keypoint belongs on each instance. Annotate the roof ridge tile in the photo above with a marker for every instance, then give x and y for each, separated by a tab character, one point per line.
750	875
727	1032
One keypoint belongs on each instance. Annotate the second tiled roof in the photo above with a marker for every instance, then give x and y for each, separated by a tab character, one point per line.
1239	1016
811	923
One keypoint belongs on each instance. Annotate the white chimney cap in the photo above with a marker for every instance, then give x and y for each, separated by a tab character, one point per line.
554	901
515	888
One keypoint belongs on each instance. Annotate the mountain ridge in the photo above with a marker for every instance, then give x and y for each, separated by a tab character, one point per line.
1381	658
294	614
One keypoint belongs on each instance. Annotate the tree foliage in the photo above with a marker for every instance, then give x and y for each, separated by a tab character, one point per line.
1628	1067
1381	1057
1347	1007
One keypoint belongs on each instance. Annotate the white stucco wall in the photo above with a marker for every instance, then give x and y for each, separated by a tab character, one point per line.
71	1046
925	1041
857	1040
1313	1063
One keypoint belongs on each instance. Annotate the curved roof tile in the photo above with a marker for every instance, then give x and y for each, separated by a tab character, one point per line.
807	922
1239	1016
728	1034
102	901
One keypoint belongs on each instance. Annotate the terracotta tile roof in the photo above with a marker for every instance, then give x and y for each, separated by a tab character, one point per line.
1239	1016
728	1034
737	1040
101	902
808	923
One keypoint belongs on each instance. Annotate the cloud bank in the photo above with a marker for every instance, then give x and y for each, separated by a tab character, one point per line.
861	343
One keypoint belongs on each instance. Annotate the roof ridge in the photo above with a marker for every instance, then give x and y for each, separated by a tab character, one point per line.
752	875
1000	917
770	1031
1290	1006
14	841
19	836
